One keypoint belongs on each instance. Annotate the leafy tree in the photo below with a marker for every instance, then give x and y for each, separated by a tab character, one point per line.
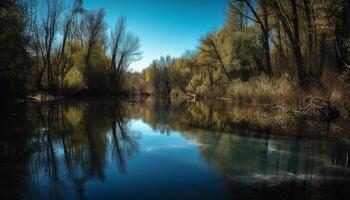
125	49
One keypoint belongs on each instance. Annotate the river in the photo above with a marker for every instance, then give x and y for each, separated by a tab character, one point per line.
156	149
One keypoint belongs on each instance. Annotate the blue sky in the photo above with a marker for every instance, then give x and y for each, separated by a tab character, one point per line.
165	27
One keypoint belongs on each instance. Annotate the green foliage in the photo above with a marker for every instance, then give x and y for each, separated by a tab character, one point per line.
159	75
97	77
74	80
246	48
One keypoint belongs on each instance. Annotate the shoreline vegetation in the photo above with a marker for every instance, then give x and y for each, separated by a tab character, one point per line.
292	55
220	116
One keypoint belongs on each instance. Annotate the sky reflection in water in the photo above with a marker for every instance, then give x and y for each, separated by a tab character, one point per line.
108	150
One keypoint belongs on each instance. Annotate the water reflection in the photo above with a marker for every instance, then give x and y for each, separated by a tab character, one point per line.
214	150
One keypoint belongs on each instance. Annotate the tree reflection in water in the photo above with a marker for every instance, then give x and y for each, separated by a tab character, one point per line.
73	140
48	149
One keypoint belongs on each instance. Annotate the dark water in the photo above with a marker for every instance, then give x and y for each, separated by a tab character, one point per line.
154	149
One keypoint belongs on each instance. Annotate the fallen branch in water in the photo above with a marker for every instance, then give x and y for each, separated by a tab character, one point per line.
315	108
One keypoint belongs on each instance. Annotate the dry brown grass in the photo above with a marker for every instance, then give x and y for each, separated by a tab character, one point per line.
264	90
339	93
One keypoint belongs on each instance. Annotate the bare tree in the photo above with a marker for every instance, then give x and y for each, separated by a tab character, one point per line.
94	28
211	49
117	36
166	63
182	82
125	48
63	55
46	33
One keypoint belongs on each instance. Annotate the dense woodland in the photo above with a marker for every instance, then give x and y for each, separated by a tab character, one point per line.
267	51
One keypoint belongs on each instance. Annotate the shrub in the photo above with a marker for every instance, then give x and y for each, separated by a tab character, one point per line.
74	81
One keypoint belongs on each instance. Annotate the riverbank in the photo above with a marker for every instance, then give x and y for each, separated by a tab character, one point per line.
324	97
322	100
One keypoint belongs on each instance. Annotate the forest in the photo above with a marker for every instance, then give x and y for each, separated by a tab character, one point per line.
266	52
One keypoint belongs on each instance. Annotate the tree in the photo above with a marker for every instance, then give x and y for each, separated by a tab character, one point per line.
64	54
94	28
117	37
211	49
263	22
333	18
125	48
46	32
290	24
160	75
182	73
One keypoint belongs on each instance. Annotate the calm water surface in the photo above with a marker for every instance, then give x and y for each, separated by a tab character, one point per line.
154	149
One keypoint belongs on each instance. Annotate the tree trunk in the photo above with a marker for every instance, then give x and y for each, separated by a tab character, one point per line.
266	45
310	47
322	54
267	56
299	60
